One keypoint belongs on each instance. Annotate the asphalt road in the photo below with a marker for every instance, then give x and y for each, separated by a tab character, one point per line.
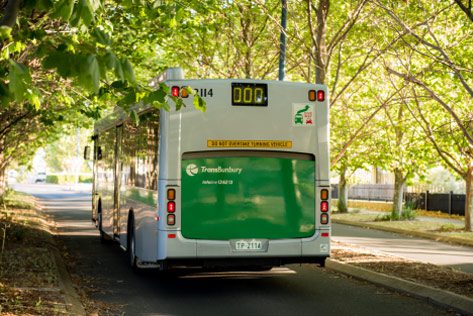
293	290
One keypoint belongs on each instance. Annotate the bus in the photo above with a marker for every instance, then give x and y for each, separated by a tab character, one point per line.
243	184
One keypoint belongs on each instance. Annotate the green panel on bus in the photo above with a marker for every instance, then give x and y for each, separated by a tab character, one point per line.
247	197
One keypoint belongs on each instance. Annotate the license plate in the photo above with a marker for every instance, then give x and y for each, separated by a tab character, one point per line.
249	245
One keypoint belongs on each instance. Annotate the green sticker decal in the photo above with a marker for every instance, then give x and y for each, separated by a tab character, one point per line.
248	197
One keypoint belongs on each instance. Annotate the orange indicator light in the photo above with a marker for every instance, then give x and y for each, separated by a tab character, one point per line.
184	92
312	96
171	194
324	194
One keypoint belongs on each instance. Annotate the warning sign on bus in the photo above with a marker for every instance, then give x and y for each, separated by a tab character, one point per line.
303	114
219	143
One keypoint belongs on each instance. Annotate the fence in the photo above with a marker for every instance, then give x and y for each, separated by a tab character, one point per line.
445	202
370	192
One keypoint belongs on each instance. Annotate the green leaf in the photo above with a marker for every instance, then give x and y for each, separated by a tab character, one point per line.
157	98
89	75
128	70
119	70
64	62
5	33
128	99
199	103
63	9
179	103
33	98
20	80
83	11
134	116
101	37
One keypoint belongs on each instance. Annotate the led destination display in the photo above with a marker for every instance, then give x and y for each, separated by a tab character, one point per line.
249	94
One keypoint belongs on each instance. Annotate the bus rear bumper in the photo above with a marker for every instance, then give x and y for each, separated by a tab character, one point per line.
216	253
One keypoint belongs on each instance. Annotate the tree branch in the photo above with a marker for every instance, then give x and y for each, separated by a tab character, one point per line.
425	125
356	134
433	95
465	9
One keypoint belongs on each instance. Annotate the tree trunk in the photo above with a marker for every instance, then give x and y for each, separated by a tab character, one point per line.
399	181
469	198
3	183
10	13
321	47
342	192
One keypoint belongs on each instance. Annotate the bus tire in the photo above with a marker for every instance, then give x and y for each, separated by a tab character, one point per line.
131	244
103	238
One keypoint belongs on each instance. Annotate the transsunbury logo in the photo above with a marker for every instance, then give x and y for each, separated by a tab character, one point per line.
192	170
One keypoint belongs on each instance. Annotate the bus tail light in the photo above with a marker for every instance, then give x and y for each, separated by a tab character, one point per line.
324	218
171	219
324	194
320	95
324	206
184	92
171	207
171	194
175	91
312	96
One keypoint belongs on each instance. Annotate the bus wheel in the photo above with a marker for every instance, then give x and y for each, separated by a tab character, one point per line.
102	234
131	244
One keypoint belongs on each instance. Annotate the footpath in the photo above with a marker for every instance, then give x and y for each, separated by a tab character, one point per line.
431	280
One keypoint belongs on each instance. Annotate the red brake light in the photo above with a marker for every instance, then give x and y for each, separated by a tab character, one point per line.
324	206
175	91
320	95
171	207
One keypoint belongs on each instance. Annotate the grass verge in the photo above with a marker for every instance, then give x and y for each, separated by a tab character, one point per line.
29	283
437	230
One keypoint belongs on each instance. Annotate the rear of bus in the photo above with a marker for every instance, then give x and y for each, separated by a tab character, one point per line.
245	183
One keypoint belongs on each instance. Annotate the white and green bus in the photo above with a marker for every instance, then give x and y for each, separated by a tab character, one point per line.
243	184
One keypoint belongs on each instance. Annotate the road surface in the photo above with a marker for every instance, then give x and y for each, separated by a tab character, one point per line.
295	290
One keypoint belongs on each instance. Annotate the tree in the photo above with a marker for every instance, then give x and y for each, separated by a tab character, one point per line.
441	84
234	39
61	63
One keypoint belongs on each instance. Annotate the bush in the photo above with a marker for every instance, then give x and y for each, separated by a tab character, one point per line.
52	179
407	214
85	179
66	178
